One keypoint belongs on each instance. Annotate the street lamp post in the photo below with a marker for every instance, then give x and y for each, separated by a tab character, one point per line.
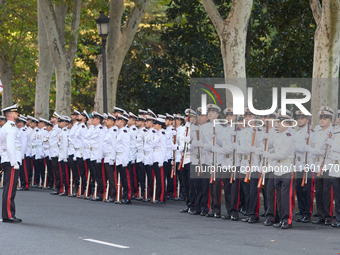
102	26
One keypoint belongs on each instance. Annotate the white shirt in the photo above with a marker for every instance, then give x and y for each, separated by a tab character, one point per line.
123	147
53	141
109	145
10	143
63	144
23	138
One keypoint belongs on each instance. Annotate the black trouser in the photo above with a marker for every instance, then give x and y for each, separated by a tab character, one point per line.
254	196
24	175
83	174
131	177
98	177
336	191
305	195
235	193
244	194
215	196
10	183
39	171
110	175
271	212
180	183
50	176
88	171
192	193
29	169
284	186
75	174
160	182
123	171
185	176
141	176
202	192
57	174
170	181
65	176
148	170
323	196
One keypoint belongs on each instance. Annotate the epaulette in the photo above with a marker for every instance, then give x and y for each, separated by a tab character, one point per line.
336	132
288	134
37	130
14	125
125	131
134	129
24	130
83	126
163	132
259	129
100	127
153	131
145	130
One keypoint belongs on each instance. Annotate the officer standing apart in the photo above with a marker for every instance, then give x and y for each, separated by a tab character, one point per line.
10	158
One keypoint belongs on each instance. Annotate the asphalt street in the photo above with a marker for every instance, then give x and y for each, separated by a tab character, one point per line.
62	225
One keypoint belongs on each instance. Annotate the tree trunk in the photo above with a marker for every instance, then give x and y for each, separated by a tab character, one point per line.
98	99
44	74
118	43
6	80
326	57
63	96
233	34
54	21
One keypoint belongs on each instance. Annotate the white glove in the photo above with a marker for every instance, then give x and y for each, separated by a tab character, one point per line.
306	136
196	143
187	139
207	147
329	141
16	166
174	147
160	165
215	149
235	146
266	154
264	136
174	132
187	124
233	133
252	149
307	148
65	160
111	162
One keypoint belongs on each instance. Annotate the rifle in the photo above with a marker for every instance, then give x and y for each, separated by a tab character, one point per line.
260	183
80	187
247	178
106	197
326	152
199	153
86	193
232	176
146	187
213	175
173	172
71	183
154	190
45	180
304	178
118	189
95	189
181	164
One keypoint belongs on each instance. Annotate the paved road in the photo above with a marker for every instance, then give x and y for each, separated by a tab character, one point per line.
62	225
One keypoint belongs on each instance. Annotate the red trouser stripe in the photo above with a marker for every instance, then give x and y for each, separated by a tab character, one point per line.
9	195
163	188
86	169
220	197
115	176
175	186
61	178
291	198
67	184
312	194
258	200
331	208
103	177
209	199
26	175
238	191
135	179
275	205
293	201
128	182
